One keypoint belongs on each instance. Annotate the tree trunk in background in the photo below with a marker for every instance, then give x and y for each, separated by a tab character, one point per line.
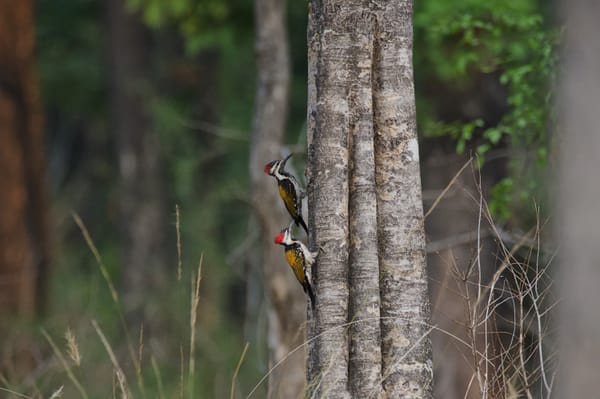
578	217
286	308
141	191
24	237
365	205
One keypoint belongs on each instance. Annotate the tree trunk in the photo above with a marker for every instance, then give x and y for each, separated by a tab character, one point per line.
24	237
286	302
141	191
579	191
365	207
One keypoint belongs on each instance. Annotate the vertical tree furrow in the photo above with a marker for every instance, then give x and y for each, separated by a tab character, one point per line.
365	339
406	348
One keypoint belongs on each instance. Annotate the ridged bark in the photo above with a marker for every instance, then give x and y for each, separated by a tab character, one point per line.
364	372
286	302
365	204
407	358
329	60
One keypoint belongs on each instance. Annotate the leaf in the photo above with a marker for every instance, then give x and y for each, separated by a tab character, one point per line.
493	135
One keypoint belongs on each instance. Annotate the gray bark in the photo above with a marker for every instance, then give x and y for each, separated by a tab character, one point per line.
578	216
329	63
365	337
365	208
141	190
407	364
286	302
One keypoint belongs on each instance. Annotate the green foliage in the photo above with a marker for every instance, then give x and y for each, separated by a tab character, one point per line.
502	194
507	40
202	23
69	60
206	157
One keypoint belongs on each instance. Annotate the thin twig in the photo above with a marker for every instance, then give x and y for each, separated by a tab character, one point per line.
215	130
439	198
455	240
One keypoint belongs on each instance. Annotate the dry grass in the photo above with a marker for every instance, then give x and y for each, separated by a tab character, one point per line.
121	375
508	317
508	335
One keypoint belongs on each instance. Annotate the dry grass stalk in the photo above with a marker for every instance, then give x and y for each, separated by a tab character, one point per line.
65	365
156	370
237	369
195	300
114	295
122	380
178	231
72	348
58	393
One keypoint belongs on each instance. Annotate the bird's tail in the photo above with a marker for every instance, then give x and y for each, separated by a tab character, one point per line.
300	222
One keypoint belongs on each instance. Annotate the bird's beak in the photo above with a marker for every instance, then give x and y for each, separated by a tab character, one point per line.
285	160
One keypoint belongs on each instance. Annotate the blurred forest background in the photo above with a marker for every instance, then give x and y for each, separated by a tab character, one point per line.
147	105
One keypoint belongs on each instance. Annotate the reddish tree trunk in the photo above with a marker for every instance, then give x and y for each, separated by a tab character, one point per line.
24	244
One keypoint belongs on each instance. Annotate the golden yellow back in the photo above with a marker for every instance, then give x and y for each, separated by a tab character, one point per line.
296	261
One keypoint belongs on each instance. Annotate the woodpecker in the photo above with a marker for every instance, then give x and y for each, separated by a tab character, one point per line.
300	259
289	189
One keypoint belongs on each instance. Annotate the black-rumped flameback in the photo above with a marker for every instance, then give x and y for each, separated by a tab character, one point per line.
289	189
300	259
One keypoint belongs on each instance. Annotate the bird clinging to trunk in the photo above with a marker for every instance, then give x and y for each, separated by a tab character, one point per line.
289	189
300	259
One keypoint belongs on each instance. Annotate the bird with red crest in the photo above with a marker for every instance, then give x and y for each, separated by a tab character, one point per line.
289	189
300	259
